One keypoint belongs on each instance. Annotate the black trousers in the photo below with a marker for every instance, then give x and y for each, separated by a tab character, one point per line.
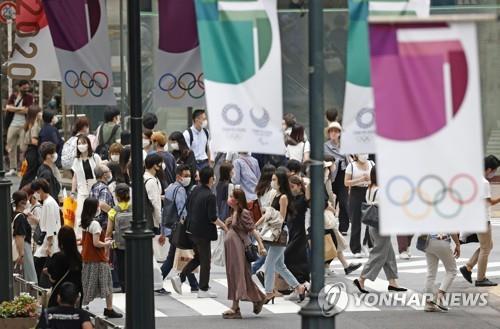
119	264
356	198
33	158
202	258
43	280
340	190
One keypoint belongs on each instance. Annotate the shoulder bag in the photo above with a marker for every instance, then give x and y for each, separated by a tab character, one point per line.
369	212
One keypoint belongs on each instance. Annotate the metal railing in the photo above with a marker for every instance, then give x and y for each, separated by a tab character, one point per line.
42	295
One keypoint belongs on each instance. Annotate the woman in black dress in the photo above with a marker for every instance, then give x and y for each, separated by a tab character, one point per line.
66	265
296	259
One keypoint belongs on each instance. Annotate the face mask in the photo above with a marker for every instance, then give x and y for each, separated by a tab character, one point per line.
204	124
26	211
165	148
83	148
186	181
295	193
115	158
174	146
491	175
55	120
163	166
54	157
145	143
275	186
363	158
37	196
109	179
98	213
232	202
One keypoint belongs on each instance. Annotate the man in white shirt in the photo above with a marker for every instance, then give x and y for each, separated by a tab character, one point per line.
50	223
153	206
197	137
480	256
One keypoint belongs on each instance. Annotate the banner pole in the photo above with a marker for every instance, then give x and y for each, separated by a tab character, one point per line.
40	94
9	50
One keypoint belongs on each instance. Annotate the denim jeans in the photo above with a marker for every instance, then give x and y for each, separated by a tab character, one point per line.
169	263
258	264
275	262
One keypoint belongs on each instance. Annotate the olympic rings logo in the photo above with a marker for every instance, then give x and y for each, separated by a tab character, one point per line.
365	118
233	116
186	83
431	191
95	84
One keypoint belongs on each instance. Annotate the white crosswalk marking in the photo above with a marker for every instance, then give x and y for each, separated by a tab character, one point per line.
119	301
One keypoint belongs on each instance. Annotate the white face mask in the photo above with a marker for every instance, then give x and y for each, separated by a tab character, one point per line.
275	186
174	146
491	174
110	178
204	124
165	148
37	196
163	166
115	158
55	120
362	158
186	181
98	213
54	157
83	148
145	143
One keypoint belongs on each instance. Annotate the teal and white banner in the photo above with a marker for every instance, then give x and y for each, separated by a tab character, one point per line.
241	59
420	8
359	119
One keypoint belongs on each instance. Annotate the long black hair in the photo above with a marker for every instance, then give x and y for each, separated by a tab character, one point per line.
89	211
66	240
284	187
184	150
266	177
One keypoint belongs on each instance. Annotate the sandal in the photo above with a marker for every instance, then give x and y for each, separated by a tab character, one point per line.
232	314
257	306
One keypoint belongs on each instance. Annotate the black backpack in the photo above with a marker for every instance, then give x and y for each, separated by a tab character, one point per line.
191	137
171	215
103	148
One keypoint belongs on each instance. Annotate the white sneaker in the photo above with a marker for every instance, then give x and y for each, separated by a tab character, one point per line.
329	272
358	255
206	294
11	173
293	297
404	255
365	251
177	284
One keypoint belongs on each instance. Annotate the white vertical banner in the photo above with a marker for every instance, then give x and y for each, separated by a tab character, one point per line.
79	30
241	58
178	73
33	55
425	78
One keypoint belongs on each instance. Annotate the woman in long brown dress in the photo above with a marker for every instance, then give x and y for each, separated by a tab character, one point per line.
241	287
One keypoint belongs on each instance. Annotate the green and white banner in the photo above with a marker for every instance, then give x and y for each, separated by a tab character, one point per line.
420	8
241	59
359	113
359	120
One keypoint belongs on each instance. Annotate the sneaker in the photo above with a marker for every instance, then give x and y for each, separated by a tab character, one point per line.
206	294
112	314
486	283
162	291
431	307
404	255
351	268
358	255
11	173
365	251
177	284
329	272
293	297
466	273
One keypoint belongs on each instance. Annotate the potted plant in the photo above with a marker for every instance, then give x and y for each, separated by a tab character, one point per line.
21	313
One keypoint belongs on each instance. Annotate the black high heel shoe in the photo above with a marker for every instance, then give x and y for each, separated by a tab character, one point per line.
358	285
399	289
302	295
269	298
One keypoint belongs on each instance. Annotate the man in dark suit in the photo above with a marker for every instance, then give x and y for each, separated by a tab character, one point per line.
201	225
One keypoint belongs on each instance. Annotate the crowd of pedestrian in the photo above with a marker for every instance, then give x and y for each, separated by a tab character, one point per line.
258	204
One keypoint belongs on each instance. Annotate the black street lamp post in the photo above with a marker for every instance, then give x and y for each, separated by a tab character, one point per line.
312	316
138	262
6	279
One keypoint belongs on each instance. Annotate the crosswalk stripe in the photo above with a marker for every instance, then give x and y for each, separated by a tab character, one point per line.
119	302
203	306
280	306
440	268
